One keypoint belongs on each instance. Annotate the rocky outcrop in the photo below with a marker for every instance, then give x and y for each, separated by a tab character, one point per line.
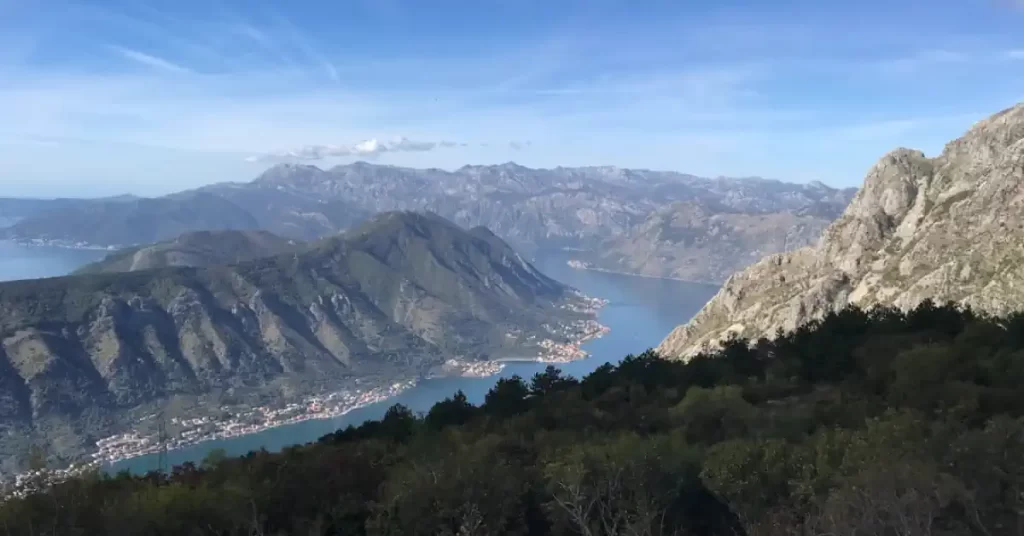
947	228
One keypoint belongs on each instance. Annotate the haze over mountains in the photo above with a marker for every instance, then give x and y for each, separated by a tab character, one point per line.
531	208
82	356
947	228
697	242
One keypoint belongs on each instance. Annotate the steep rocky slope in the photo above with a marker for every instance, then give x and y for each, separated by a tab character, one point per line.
200	248
391	299
944	228
688	240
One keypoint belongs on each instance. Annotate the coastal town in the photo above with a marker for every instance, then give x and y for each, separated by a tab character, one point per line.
472	369
197	430
183	432
260	418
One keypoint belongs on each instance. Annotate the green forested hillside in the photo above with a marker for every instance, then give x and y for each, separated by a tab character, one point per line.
864	423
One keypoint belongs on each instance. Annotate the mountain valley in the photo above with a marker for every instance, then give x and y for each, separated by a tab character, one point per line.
85	356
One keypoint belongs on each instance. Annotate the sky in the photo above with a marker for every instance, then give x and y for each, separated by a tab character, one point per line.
150	97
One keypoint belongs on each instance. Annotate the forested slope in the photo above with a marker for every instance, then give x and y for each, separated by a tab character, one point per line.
878	422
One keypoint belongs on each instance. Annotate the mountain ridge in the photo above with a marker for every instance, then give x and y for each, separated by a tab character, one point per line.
943	228
196	248
531	208
395	298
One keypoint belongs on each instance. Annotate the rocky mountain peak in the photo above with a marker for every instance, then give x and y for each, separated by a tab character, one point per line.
988	138
946	228
287	171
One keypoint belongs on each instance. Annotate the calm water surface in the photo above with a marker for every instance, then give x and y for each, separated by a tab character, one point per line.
640	313
30	262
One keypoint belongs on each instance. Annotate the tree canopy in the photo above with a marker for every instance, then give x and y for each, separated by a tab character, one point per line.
865	422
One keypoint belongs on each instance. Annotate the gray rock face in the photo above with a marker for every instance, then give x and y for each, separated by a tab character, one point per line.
945	228
690	241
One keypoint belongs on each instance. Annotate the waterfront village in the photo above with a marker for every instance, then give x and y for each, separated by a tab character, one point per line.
197	430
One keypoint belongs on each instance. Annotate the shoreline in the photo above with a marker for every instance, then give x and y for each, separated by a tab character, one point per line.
394	390
130	445
580	265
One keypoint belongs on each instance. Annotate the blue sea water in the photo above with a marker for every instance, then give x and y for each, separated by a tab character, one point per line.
641	311
32	262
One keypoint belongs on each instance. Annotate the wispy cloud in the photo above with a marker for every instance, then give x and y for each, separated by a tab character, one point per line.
150	60
923	59
306	47
733	97
370	148
892	130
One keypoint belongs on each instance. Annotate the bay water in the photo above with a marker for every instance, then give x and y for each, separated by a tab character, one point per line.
33	262
640	312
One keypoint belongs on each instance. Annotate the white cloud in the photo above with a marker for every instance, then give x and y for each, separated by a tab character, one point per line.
371	148
1016	54
150	60
251	83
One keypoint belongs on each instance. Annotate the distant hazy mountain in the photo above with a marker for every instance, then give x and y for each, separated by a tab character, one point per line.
199	248
14	209
692	241
125	222
574	207
532	208
947	228
393	298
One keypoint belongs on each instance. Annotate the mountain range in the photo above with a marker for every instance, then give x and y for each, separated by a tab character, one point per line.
83	356
531	208
947	228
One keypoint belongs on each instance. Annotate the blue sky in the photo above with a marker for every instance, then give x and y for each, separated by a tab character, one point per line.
103	97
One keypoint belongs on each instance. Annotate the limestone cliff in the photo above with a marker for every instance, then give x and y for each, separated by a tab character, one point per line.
945	228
